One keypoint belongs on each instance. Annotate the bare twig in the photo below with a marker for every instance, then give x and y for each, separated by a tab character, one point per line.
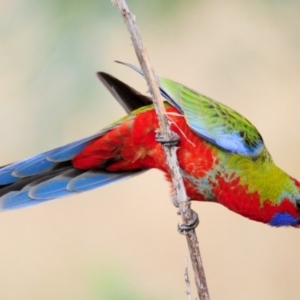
187	279
165	133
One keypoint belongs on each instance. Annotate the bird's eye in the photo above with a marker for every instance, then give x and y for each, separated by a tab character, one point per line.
298	204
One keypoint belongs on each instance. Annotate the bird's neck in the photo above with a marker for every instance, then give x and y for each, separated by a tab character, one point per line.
256	189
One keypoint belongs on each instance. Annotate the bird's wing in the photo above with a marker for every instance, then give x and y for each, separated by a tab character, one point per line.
214	121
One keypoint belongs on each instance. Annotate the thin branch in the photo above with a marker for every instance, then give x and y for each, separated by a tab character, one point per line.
186	213
187	279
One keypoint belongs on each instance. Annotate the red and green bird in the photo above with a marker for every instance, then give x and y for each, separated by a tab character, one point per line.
222	157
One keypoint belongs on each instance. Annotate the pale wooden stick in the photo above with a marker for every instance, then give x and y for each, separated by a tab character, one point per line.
165	132
187	279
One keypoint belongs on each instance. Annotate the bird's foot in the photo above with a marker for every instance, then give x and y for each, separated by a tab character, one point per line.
167	141
192	224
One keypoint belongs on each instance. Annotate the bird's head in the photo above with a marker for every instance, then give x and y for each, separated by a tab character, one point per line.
288	210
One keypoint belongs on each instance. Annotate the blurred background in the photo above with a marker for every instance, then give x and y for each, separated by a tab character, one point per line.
120	242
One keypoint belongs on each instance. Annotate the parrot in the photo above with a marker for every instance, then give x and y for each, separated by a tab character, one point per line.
222	157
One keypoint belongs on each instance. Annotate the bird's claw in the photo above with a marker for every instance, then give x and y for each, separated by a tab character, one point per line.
192	224
167	141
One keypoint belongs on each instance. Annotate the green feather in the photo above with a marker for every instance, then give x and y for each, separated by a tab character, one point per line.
214	121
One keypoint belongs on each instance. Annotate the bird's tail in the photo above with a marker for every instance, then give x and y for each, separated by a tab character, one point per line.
52	175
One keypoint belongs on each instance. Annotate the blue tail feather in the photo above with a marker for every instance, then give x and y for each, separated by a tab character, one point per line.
16	200
50	189
94	179
33	167
70	182
45	161
51	175
67	152
6	177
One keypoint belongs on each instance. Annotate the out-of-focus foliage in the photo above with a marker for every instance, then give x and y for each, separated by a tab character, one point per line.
50	51
112	284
